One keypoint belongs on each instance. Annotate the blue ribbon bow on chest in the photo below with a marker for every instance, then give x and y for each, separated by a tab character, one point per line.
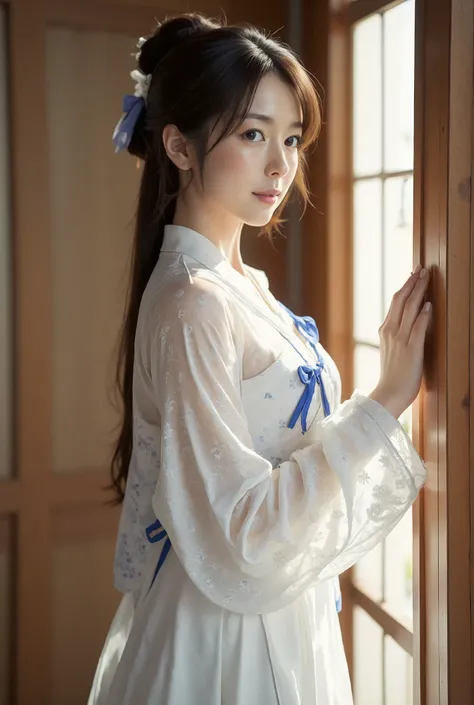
309	375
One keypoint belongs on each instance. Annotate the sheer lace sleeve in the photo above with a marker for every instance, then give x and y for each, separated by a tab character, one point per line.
252	538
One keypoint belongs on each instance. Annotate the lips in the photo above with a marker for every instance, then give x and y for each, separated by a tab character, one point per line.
269	200
271	192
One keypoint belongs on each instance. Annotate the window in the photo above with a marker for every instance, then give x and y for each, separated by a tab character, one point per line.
382	159
407	621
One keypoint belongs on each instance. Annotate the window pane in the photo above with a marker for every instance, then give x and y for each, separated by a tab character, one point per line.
366	368
398	674
368	660
367	260
369	570
399	61
399	569
398	235
369	573
6	370
406	419
367	102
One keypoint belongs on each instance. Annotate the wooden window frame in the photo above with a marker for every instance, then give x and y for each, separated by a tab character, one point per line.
443	540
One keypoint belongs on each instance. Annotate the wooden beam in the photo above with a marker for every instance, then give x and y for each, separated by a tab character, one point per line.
381	613
419	561
360	9
100	18
86	17
60	489
339	220
33	349
10	496
455	247
128	18
471	402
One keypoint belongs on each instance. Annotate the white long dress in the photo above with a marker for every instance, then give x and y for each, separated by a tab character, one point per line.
262	517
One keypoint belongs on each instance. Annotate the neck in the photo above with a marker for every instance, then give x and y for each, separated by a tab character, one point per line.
224	232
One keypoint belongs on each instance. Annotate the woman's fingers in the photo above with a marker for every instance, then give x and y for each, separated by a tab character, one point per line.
402	340
413	305
420	327
394	316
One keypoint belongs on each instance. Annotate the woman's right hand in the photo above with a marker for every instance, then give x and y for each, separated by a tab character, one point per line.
402	342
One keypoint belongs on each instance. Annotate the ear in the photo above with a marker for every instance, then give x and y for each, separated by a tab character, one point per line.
177	147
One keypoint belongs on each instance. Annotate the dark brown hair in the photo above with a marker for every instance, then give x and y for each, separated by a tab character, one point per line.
203	72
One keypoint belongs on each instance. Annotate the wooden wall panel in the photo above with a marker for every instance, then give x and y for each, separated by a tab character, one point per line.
84	599
93	195
61	350
126	17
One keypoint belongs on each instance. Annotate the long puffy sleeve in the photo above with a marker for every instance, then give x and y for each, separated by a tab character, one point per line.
251	537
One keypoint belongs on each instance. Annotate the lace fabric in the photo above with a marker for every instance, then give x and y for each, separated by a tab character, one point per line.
257	512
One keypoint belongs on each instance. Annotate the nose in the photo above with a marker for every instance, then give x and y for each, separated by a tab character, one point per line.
277	166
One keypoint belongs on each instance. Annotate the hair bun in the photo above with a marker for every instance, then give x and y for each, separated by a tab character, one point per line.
168	35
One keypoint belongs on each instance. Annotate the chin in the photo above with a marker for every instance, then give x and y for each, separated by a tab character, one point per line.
258	221
254	223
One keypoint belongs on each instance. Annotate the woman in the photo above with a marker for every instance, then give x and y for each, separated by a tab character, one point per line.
248	487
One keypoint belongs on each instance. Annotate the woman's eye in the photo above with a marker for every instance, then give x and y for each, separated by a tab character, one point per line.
250	135
297	142
257	136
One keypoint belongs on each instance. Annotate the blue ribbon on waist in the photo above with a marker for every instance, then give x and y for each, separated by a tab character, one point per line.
154	533
161	534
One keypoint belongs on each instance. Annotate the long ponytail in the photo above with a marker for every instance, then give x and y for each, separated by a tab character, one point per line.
148	240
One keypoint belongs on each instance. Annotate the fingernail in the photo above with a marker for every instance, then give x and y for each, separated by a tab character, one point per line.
427	306
417	269
422	273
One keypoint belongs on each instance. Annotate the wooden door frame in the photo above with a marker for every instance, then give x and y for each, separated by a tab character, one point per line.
443	218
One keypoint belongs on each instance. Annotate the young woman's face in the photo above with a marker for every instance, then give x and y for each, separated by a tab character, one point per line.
260	157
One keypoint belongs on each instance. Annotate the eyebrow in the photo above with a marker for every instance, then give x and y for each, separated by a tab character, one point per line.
268	119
